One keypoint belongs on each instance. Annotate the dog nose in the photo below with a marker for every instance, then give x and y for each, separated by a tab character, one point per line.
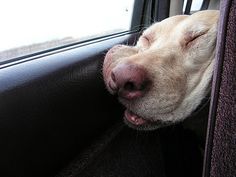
130	80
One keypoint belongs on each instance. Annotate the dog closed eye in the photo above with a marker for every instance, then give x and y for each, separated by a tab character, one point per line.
145	40
191	37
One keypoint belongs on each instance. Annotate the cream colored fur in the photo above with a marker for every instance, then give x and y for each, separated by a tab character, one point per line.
178	54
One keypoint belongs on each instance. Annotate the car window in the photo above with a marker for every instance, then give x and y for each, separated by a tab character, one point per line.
195	5
30	26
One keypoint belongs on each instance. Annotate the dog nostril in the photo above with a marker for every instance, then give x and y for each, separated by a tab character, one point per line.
131	81
129	86
144	85
132	86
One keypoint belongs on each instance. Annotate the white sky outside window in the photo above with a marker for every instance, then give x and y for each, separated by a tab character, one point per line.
196	5
25	22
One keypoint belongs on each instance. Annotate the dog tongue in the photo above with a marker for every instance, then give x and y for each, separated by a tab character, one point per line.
133	118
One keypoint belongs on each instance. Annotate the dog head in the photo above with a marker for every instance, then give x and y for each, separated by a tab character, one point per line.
164	77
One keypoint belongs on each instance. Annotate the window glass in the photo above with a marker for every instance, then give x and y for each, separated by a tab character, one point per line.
195	6
29	26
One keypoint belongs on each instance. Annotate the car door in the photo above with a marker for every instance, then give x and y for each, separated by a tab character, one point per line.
53	102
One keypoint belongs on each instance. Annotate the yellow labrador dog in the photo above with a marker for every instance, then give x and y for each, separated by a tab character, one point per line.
164	78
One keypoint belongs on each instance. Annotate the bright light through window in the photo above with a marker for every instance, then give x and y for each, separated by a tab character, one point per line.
195	6
28	26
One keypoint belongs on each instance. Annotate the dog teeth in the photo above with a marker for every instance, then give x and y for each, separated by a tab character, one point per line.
133	119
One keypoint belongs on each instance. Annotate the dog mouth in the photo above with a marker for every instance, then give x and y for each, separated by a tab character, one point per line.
135	119
137	122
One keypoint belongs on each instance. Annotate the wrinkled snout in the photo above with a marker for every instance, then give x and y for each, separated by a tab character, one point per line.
130	81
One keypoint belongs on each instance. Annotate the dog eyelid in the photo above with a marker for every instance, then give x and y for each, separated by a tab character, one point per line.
146	39
190	38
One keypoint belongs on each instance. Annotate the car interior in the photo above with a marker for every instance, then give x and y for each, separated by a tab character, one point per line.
57	118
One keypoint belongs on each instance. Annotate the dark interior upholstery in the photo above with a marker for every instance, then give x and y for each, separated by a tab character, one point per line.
171	151
221	142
